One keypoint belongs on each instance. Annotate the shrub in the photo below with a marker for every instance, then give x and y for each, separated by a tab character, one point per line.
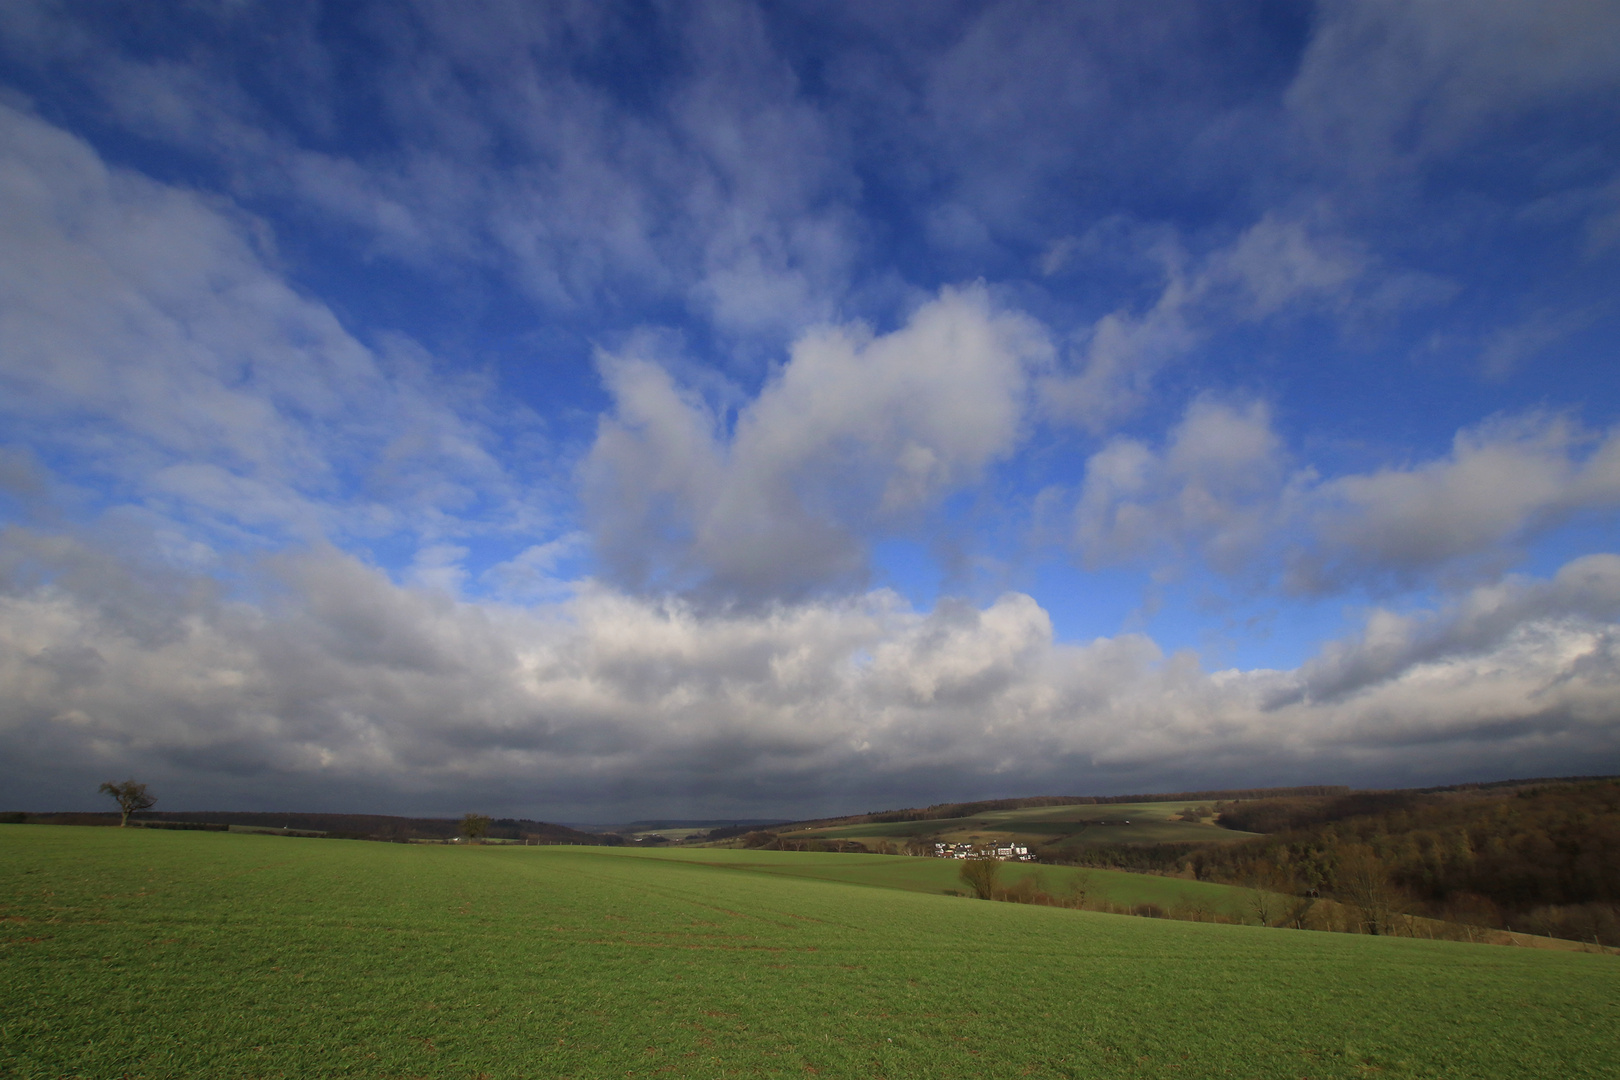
981	875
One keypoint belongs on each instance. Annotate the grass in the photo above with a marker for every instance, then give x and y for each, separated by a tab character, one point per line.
1149	823
186	954
941	876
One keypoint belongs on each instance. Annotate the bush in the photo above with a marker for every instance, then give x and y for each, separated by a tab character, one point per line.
1595	923
981	876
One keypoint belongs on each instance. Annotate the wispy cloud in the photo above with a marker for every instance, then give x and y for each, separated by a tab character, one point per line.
146	338
1273	266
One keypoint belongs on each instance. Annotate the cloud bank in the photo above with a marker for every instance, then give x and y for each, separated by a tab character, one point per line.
345	681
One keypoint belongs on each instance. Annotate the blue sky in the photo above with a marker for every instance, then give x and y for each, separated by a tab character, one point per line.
619	409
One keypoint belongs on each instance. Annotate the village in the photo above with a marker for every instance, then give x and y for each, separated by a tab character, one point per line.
1008	852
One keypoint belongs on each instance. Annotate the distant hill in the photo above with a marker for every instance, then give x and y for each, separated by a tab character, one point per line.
682	823
969	809
355	826
1540	854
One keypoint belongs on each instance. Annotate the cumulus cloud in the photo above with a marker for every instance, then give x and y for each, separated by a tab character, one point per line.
1224	489
1576	609
343	683
1504	482
1213	490
856	432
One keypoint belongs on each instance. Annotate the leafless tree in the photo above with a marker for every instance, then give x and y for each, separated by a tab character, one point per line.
132	798
1363	882
1267	889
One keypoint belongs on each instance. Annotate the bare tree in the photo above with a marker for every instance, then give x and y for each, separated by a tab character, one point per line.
1363	882
917	845
1267	886
1079	885
1265	904
474	826
980	874
132	798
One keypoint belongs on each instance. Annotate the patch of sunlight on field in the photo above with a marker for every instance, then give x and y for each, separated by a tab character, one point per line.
942	876
1116	823
187	954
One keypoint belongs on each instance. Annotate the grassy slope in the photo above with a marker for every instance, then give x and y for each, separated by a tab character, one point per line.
1149	823
941	876
205	954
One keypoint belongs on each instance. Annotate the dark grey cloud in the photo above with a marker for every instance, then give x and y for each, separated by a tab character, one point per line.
343	682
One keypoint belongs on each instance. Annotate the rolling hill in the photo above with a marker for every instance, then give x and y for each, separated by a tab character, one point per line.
154	954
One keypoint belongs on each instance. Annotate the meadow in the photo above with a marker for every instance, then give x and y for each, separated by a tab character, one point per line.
185	954
942	877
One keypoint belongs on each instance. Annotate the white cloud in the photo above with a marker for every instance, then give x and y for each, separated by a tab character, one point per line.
1504	482
1213	490
855	432
1498	621
1223	489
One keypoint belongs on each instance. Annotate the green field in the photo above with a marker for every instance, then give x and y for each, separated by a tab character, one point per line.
941	877
1117	823
187	954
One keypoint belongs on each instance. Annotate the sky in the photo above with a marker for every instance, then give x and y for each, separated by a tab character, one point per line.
592	411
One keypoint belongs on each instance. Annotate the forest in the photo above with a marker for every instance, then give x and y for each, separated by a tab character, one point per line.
1541	857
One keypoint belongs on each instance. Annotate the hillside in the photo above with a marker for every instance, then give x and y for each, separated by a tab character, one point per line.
1056	824
177	954
955	810
343	826
1540	855
1053	829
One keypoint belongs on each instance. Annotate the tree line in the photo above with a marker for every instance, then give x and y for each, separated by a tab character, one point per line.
1542	858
